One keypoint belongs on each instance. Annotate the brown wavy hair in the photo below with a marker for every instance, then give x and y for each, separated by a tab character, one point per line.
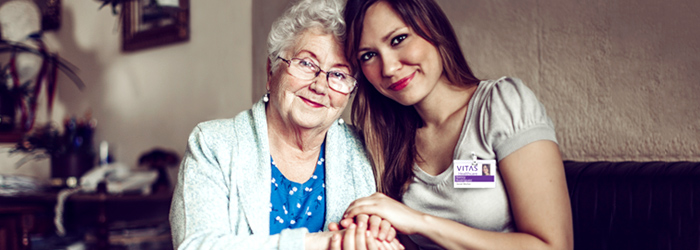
389	128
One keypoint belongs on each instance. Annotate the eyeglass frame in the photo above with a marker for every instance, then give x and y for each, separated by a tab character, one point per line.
318	71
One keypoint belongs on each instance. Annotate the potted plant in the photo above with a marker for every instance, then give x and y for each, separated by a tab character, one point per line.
25	94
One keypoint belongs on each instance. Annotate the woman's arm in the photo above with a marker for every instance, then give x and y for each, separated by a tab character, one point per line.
536	184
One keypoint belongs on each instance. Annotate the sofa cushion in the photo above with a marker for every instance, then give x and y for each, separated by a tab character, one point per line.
635	205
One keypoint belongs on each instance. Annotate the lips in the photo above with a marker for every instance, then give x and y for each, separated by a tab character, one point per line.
399	85
312	103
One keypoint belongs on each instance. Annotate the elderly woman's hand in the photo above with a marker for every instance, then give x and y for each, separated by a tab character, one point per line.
366	232
357	237
378	227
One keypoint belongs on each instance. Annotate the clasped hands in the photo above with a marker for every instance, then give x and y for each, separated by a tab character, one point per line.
364	232
365	226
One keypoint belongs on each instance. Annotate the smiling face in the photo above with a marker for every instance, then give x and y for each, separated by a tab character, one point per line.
308	104
399	63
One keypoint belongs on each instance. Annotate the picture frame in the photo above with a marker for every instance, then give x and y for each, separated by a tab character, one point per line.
151	23
50	14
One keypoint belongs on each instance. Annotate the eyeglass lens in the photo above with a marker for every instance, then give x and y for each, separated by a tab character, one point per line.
308	70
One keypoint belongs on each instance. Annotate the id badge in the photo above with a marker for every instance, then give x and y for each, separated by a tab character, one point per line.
474	173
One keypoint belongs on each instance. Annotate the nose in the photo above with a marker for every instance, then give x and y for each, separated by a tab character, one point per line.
390	64
320	83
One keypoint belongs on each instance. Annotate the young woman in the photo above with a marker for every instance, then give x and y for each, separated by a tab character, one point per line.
423	114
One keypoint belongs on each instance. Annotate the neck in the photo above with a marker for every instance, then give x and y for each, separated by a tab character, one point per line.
288	140
446	101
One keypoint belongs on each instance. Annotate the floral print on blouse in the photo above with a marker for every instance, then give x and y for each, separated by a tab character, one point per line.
296	205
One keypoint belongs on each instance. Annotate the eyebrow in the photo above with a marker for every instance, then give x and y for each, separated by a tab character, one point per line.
384	38
340	65
390	33
307	51
337	65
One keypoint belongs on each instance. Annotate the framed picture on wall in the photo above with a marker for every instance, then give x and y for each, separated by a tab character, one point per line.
151	23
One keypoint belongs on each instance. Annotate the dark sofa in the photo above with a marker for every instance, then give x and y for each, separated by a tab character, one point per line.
635	205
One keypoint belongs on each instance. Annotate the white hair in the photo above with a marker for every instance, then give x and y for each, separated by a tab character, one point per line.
327	15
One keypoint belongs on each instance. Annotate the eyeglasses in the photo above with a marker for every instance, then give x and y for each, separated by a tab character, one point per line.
307	70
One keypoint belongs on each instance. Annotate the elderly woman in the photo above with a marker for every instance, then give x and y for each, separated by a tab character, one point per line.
277	174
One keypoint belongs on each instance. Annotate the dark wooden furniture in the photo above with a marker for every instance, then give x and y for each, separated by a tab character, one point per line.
16	223
10	137
25	215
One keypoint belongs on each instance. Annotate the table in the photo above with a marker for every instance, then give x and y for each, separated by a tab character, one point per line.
24	215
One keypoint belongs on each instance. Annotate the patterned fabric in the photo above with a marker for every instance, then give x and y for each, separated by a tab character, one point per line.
222	196
297	205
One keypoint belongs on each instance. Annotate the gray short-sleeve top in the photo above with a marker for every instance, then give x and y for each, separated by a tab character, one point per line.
503	115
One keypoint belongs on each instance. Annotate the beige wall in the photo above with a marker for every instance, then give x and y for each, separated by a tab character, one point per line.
265	12
619	78
154	97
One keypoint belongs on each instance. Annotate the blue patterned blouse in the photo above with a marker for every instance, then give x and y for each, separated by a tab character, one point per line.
296	205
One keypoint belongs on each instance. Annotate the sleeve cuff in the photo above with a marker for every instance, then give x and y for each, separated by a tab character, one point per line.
542	132
292	239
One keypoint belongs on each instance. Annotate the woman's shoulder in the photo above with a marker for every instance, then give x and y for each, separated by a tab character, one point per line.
216	124
508	103
226	128
506	92
509	113
212	132
505	86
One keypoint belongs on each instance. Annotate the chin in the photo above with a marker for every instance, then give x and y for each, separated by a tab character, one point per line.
403	97
308	122
405	100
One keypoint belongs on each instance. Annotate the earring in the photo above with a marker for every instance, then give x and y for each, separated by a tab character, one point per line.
266	97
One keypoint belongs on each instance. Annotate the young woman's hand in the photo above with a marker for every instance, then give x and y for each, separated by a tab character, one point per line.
401	217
